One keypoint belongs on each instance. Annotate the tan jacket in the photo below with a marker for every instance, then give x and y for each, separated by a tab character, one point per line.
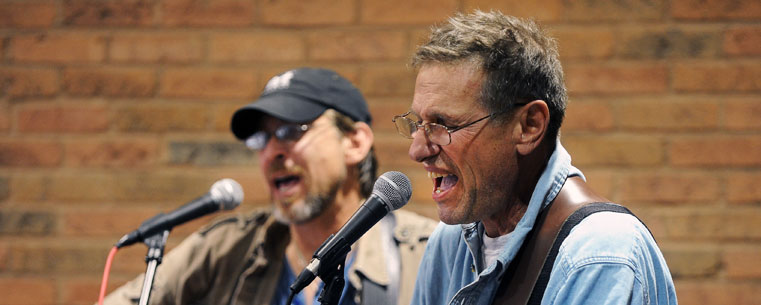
238	260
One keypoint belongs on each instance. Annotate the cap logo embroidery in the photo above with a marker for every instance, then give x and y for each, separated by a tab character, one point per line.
279	82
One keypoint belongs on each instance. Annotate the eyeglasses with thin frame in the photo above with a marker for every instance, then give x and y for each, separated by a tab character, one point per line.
436	133
287	133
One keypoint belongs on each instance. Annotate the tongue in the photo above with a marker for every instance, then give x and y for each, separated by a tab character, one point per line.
448	182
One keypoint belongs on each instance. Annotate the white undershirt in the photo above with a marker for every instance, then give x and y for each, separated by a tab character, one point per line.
492	247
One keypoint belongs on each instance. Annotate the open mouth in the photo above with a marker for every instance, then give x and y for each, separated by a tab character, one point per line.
285	183
441	182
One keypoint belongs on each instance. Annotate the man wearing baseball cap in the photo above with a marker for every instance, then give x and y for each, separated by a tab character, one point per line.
311	131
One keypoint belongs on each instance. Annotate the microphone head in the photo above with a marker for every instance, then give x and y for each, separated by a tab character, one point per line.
227	193
395	188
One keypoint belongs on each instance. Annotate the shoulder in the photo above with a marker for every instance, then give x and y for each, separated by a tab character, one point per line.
234	226
412	226
607	237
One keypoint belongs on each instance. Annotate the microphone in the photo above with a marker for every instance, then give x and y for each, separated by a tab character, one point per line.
391	191
225	194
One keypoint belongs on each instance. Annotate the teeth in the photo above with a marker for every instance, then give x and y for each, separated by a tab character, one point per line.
433	175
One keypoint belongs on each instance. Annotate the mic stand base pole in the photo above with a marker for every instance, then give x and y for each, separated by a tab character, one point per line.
334	285
155	245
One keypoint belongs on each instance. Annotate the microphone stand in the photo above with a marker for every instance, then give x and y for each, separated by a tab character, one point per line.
153	258
334	285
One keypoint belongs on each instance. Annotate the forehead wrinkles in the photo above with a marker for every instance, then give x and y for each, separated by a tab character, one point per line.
443	88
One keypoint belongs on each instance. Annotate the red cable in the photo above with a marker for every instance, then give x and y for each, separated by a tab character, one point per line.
106	271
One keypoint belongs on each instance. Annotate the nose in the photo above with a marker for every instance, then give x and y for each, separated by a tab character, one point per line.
422	149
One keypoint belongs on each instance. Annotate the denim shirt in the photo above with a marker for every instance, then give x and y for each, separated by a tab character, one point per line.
608	258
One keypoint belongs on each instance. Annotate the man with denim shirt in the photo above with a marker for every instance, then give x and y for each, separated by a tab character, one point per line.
484	122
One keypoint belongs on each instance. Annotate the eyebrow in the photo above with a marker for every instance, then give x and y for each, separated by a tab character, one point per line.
438	117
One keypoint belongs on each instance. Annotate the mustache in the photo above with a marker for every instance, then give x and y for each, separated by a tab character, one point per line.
280	167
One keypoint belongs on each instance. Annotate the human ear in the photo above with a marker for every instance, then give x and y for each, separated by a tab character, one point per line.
534	118
357	143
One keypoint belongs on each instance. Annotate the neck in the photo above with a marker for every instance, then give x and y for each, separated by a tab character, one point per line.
530	169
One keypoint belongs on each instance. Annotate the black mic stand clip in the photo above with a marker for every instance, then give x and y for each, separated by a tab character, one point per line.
334	284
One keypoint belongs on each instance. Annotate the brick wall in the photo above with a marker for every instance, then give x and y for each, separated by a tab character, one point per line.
111	111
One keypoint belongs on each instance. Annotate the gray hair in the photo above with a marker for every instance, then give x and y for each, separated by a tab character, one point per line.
519	61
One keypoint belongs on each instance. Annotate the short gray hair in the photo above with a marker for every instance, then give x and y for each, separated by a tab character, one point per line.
519	60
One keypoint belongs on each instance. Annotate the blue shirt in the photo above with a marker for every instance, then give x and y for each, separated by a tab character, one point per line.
608	258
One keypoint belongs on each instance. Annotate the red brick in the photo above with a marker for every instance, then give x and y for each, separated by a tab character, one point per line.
161	118
28	188
57	48
257	47
160	188
3	257
601	181
715	9
642	78
407	12
208	12
742	114
156	48
122	152
5	118
52	258
108	13
23	153
356	45
614	150
579	10
584	43
25	82
27	15
743	41
27	291
742	262
209	83
301	13
82	291
588	115
543	10
383	110
112	222
712	224
677	188
744	187
667	114
387	80
716	151
714	291
692	260
69	187
221	116
349	72
667	42
394	152
717	77
110	81
63	119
